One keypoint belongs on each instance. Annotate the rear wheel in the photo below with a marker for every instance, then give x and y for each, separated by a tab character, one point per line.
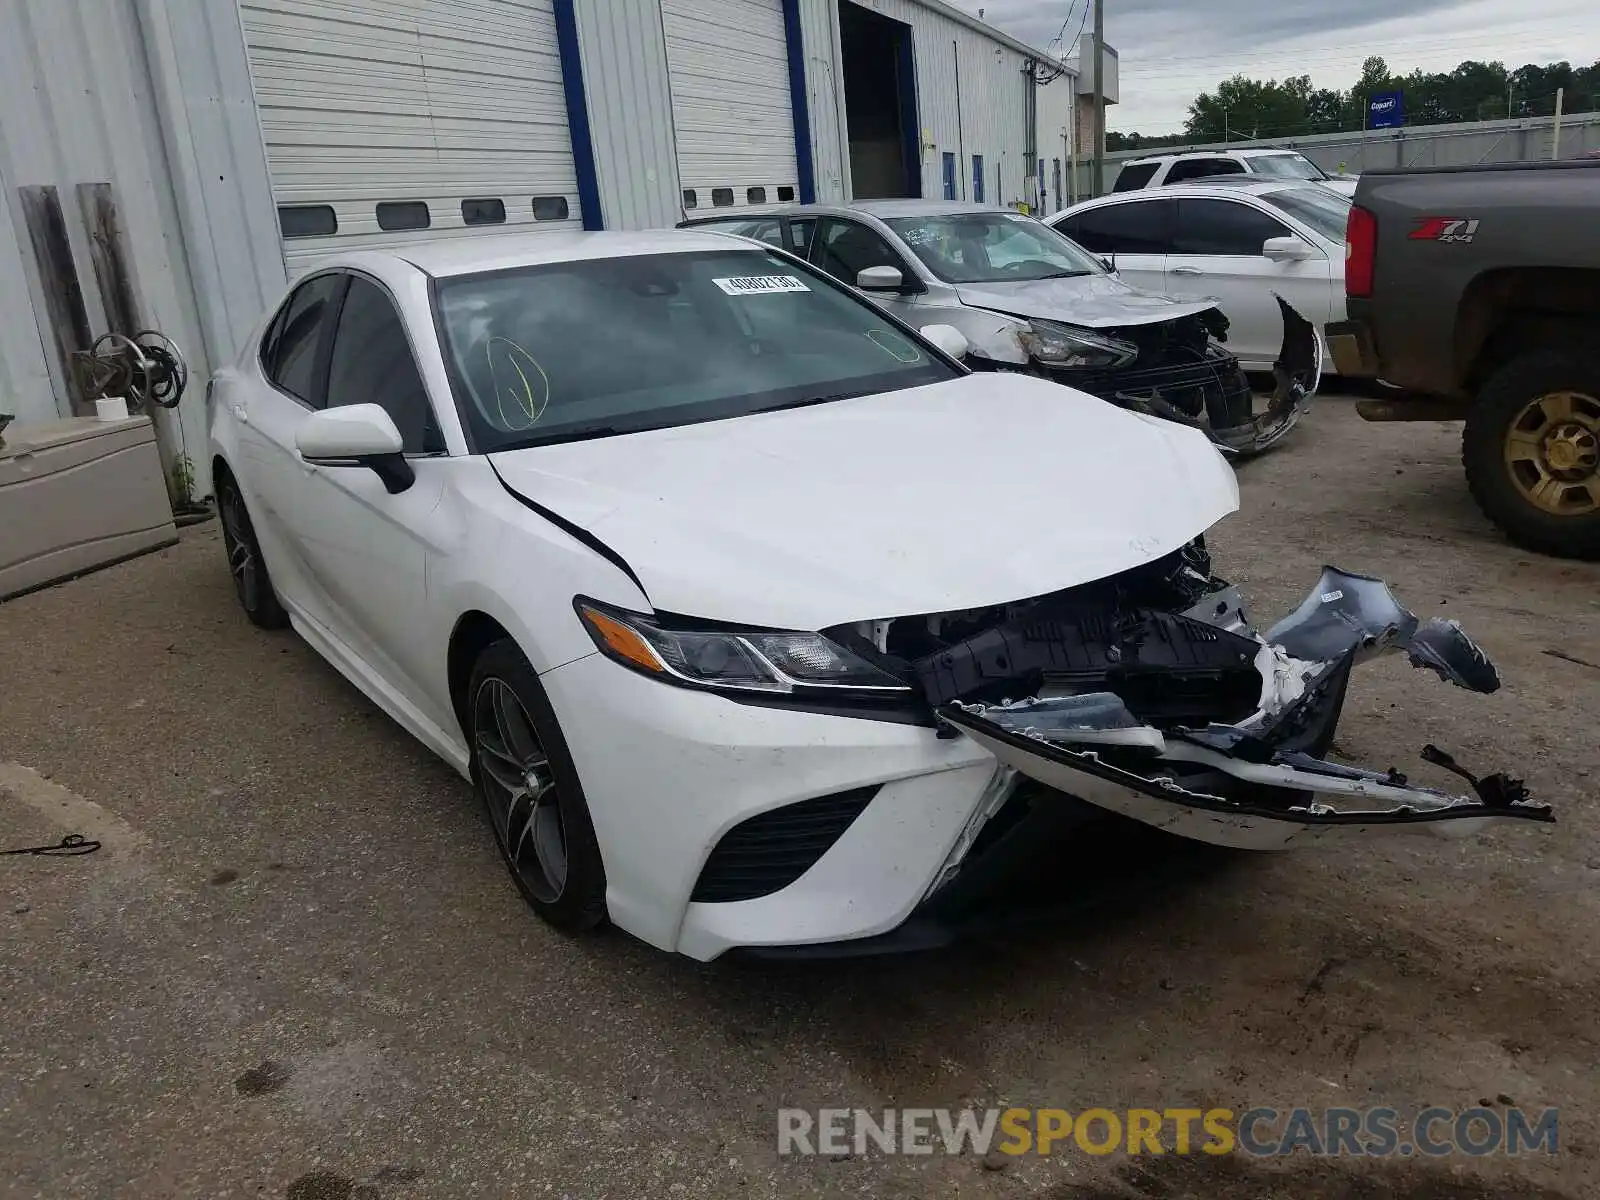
251	583
529	787
1531	450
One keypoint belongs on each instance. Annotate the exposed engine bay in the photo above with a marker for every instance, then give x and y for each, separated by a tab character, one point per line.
1181	370
1151	694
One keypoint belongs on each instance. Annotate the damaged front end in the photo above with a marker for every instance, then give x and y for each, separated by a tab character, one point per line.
1181	371
1150	694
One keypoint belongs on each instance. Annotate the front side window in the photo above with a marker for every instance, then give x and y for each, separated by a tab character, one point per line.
1220	227
1323	209
372	364
1128	227
991	247
848	247
290	349
1286	166
1134	176
597	347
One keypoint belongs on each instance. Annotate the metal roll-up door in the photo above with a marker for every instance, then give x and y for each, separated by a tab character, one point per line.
731	108
389	121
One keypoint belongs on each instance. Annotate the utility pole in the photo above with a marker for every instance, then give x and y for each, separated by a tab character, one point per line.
1097	184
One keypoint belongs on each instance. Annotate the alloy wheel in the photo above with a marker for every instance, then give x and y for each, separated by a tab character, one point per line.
1552	452
519	787
239	542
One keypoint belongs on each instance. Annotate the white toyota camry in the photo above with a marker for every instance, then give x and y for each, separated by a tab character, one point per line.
754	618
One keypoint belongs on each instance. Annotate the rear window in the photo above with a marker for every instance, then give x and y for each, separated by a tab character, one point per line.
1325	210
598	347
1286	166
1204	168
1134	176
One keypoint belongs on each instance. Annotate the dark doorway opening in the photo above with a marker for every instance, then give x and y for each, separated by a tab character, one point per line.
880	104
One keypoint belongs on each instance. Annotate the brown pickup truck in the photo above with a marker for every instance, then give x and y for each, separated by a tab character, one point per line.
1475	293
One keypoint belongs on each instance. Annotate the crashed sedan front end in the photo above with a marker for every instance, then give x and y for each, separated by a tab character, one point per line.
1179	369
1151	695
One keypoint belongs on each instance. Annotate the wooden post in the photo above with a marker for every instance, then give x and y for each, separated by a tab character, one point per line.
109	254
58	280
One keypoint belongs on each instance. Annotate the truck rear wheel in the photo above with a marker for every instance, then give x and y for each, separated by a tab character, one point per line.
1531	449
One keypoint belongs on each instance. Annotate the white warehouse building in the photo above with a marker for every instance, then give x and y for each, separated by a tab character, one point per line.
170	163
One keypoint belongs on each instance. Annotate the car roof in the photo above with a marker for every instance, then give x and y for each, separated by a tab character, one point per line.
1221	185
1258	152
881	209
466	255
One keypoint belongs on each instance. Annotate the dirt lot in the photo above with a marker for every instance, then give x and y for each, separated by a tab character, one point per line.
297	968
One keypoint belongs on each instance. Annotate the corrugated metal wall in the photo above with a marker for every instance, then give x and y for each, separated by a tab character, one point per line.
1053	107
218	165
77	105
819	26
971	99
624	58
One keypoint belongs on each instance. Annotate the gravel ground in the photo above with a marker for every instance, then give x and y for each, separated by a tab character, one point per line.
297	969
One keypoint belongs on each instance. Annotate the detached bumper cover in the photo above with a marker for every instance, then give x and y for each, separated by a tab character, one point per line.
1259	782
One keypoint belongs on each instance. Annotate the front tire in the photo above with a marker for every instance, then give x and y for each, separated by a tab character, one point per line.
528	784
1531	449
251	583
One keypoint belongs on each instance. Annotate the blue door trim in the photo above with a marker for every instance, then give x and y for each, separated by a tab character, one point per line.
794	42
910	131
578	115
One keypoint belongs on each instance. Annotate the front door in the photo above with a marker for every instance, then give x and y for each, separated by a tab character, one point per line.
366	551
845	248
1216	251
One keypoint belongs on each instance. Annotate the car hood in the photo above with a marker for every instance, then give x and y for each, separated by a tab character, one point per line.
962	494
1091	301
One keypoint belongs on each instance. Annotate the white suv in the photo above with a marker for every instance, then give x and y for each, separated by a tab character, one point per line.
1161	169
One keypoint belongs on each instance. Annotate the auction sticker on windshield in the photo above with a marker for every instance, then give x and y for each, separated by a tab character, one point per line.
756	285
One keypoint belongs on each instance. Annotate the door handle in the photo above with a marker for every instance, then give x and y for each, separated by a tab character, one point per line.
1187	271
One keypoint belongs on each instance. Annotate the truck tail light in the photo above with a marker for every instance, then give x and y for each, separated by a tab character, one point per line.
1360	251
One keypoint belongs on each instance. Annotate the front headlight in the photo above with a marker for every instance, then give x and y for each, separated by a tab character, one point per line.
734	660
1067	346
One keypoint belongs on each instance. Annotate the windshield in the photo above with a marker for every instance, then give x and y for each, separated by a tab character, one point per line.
1286	166
1326	211
571	350
992	247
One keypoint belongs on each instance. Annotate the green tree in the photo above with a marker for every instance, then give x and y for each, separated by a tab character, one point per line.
1374	78
1249	108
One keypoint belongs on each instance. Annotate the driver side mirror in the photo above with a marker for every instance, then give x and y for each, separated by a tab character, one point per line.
1286	249
880	279
356	435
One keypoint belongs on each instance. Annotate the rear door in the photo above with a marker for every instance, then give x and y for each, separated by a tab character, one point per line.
1134	234
1216	251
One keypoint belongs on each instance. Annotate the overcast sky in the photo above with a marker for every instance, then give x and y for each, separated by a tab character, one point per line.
1171	51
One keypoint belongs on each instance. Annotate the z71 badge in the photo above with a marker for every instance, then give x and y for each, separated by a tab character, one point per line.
1444	229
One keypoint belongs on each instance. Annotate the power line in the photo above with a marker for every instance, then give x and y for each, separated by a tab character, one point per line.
1065	21
1082	21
